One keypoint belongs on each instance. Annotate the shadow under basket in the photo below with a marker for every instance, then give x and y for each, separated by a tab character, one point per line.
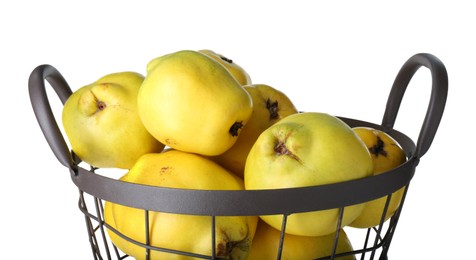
95	189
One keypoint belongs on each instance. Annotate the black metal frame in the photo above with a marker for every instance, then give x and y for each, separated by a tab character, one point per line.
98	188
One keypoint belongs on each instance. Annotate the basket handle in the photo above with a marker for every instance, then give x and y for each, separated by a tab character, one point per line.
437	102
43	112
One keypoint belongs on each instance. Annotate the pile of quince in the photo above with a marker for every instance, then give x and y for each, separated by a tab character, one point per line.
196	121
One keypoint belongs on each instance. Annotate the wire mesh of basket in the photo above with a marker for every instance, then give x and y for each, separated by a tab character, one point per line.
95	189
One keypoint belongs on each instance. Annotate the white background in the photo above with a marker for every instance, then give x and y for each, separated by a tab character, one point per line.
339	57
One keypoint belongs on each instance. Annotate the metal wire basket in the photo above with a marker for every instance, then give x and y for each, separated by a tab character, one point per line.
95	189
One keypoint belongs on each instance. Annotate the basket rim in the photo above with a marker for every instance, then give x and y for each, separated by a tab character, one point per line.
253	202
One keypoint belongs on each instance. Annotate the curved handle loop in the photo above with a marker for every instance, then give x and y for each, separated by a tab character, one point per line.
43	112
437	102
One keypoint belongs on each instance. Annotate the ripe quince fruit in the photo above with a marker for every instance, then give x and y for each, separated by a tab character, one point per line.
266	242
308	149
98	117
190	102
190	233
386	155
